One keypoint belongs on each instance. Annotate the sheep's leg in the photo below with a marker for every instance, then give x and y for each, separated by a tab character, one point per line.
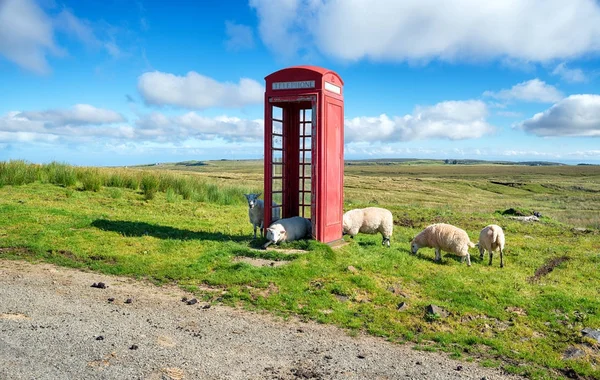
501	259
254	225
491	256
262	232
386	241
481	252
438	255
267	244
468	259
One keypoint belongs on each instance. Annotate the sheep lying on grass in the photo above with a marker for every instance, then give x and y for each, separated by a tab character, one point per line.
491	238
369	220
256	212
288	229
444	237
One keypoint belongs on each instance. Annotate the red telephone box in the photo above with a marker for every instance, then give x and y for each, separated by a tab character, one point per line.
304	148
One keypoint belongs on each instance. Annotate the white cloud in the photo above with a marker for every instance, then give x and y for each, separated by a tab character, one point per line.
576	115
282	24
83	30
239	37
533	90
157	126
197	91
453	120
529	153
79	114
85	123
26	35
82	124
423	30
569	75
593	153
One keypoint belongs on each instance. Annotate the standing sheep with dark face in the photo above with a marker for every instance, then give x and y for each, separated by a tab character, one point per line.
369	220
491	238
256	212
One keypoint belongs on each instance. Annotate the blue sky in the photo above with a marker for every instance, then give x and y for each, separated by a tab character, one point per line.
123	82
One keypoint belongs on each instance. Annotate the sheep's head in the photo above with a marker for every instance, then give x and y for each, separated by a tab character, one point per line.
275	235
252	198
414	247
346	224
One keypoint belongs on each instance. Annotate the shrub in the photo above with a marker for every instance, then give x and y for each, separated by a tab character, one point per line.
18	172
149	186
60	174
91	179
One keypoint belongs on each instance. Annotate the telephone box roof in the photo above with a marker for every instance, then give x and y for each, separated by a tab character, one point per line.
291	71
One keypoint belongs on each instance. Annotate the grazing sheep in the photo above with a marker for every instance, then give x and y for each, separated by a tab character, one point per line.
491	238
444	237
369	220
288	229
256	212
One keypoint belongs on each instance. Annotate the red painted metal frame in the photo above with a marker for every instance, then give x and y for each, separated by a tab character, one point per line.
327	140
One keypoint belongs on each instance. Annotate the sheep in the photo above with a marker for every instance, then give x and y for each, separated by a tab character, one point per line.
369	220
288	229
491	238
256	212
444	237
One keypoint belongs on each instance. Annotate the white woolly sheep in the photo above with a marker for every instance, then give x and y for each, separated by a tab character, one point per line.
491	238
444	237
369	220
288	229
256	212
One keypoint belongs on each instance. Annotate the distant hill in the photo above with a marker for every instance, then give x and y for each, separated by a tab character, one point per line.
415	161
376	161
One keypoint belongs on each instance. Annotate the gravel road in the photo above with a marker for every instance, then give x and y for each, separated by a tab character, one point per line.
54	325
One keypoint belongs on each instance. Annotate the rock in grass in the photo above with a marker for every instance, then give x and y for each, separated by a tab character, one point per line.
193	301
99	285
134	347
402	306
99	337
433	310
591	333
573	353
128	300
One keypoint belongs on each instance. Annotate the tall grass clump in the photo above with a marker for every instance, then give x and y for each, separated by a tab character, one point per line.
18	172
185	187
60	174
115	193
171	195
91	179
166	182
116	179
149	186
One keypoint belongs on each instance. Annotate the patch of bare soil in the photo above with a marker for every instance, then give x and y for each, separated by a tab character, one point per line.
259	262
547	268
56	326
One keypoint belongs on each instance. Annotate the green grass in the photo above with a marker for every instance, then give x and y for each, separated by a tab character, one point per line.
194	238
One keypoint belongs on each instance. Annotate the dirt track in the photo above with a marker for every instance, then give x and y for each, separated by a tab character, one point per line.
51	322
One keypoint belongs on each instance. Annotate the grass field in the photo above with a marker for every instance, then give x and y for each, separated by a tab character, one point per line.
146	225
